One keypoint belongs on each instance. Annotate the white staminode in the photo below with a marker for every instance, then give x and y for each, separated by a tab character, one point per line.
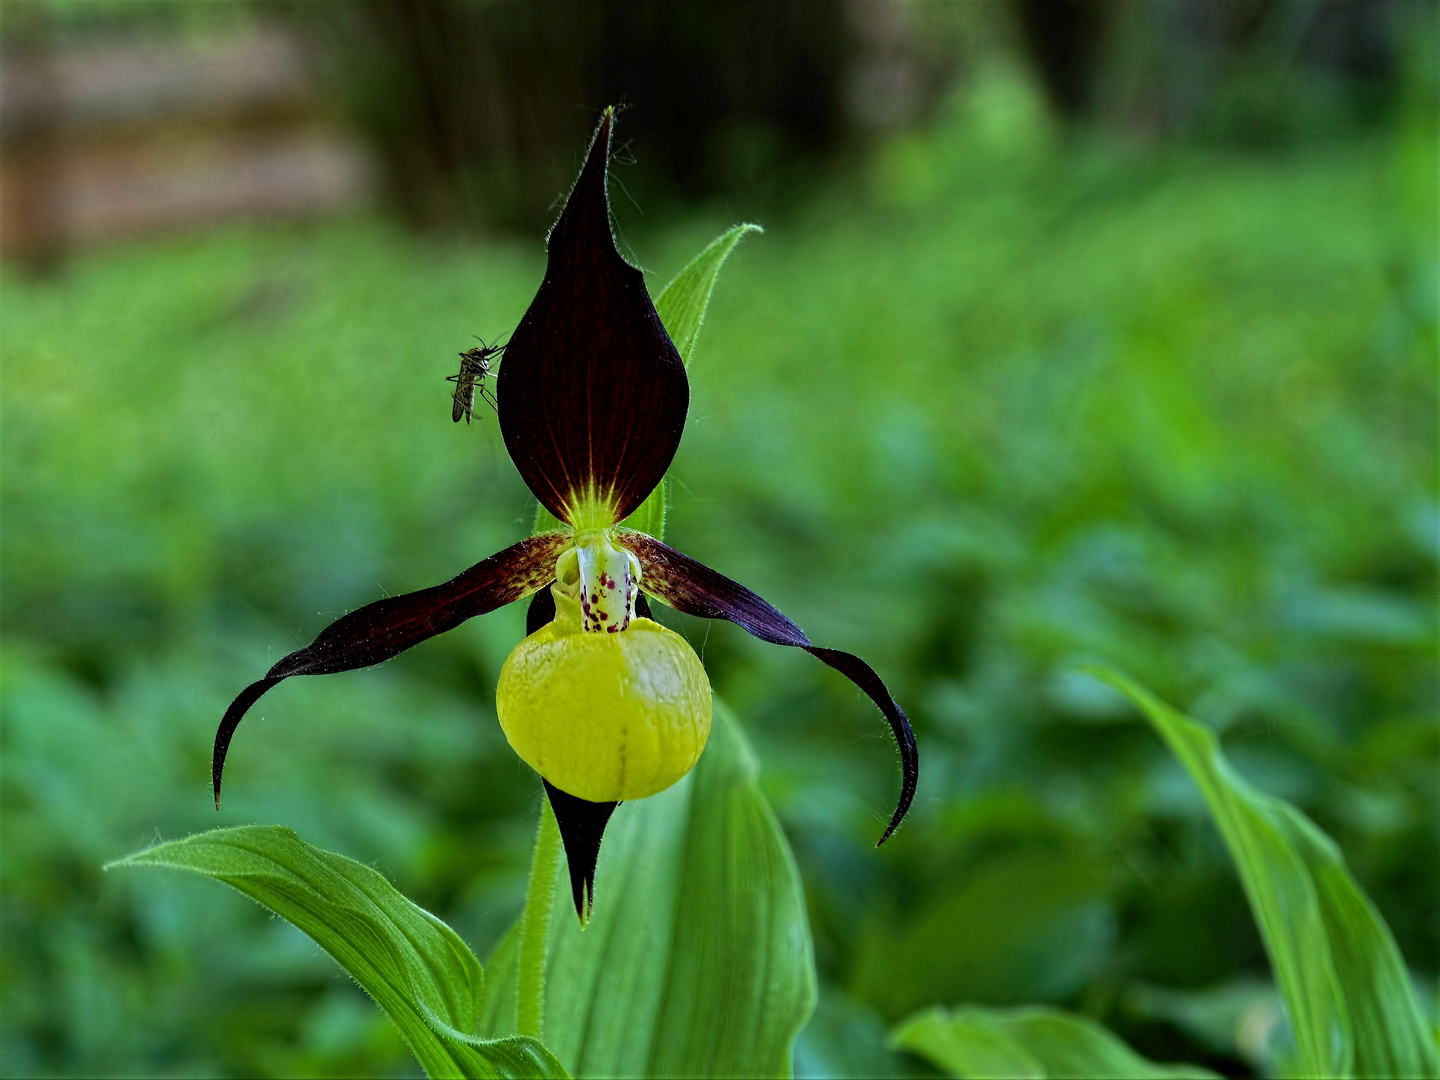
602	578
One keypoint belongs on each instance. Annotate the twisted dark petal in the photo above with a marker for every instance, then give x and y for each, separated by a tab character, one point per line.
692	587
582	825
592	392
388	627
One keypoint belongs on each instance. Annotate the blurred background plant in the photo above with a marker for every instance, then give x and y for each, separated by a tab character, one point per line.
1086	331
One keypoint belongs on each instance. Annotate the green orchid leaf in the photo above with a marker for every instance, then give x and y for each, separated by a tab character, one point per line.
682	303
416	968
650	517
1031	1043
1345	985
697	959
545	521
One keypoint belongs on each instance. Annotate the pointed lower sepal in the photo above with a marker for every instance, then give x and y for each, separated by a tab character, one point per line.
582	826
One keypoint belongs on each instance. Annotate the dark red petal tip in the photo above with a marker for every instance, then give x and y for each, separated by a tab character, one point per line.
582	827
692	587
388	627
592	392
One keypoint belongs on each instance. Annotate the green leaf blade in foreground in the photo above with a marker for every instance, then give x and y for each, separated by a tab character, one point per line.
416	968
1345	985
1032	1043
682	303
697	959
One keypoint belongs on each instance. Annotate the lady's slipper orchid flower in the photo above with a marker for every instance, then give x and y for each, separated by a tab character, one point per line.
603	702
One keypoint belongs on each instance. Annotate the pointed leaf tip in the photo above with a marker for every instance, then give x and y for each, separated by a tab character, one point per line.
1337	962
582	826
682	303
592	393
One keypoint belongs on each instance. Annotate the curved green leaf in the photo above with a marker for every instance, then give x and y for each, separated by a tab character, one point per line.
682	303
1346	989
697	959
1032	1043
415	967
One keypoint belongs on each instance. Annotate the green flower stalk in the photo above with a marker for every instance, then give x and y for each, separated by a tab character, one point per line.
602	701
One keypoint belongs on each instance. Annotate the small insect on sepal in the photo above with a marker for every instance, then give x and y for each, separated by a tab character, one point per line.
474	370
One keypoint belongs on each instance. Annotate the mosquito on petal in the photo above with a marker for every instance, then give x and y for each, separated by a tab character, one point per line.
474	370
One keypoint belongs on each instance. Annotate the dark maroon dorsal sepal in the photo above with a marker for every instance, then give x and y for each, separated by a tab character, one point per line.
592	392
582	826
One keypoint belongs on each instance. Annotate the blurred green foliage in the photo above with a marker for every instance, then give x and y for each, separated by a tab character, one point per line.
1349	997
992	404
418	970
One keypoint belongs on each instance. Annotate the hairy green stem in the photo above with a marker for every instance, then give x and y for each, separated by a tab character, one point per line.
535	923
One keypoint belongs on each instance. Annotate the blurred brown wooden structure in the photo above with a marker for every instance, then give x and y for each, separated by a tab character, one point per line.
478	110
469	115
142	134
464	115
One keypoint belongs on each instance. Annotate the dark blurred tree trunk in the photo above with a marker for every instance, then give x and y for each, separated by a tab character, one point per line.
480	110
1065	39
1243	69
466	103
714	86
31	224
